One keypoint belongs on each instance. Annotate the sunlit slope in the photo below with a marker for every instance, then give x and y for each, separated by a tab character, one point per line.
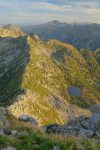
54	66
35	75
11	31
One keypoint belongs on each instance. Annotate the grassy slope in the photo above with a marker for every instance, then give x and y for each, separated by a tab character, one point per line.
30	135
55	66
13	59
52	67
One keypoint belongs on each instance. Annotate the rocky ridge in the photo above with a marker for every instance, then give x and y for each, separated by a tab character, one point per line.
34	78
87	127
11	31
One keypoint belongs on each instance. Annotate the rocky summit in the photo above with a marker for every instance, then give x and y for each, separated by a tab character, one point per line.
11	31
51	85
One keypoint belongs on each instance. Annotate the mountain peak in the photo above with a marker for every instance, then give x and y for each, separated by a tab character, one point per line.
11	31
35	37
11	26
55	21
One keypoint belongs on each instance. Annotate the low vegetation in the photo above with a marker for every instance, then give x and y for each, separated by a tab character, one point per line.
33	138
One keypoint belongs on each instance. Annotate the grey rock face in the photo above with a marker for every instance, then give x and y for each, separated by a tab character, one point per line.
24	118
29	119
35	37
95	109
86	133
9	148
51	128
87	127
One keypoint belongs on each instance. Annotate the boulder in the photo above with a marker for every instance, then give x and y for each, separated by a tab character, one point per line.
14	132
87	127
24	118
9	148
84	122
29	119
55	147
33	121
51	128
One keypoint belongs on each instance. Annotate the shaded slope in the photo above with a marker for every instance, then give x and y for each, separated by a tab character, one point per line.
14	56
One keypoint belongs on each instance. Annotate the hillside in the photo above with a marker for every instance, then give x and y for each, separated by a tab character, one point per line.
35	78
13	59
49	92
80	35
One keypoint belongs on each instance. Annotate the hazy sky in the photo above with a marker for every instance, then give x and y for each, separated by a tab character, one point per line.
40	11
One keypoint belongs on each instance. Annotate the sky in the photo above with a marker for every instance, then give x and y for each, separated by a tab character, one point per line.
41	11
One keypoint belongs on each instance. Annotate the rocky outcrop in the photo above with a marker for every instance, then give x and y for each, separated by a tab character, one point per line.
28	119
35	37
29	104
95	109
88	127
11	31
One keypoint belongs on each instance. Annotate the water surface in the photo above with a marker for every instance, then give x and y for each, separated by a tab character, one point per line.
74	91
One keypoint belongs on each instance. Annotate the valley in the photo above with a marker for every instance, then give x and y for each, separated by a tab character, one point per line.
52	81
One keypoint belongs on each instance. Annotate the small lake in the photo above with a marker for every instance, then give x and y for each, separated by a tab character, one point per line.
74	91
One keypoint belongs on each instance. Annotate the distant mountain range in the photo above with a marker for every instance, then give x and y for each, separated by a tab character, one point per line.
80	35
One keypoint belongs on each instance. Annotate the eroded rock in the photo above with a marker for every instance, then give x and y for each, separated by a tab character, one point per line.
87	127
29	119
9	148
